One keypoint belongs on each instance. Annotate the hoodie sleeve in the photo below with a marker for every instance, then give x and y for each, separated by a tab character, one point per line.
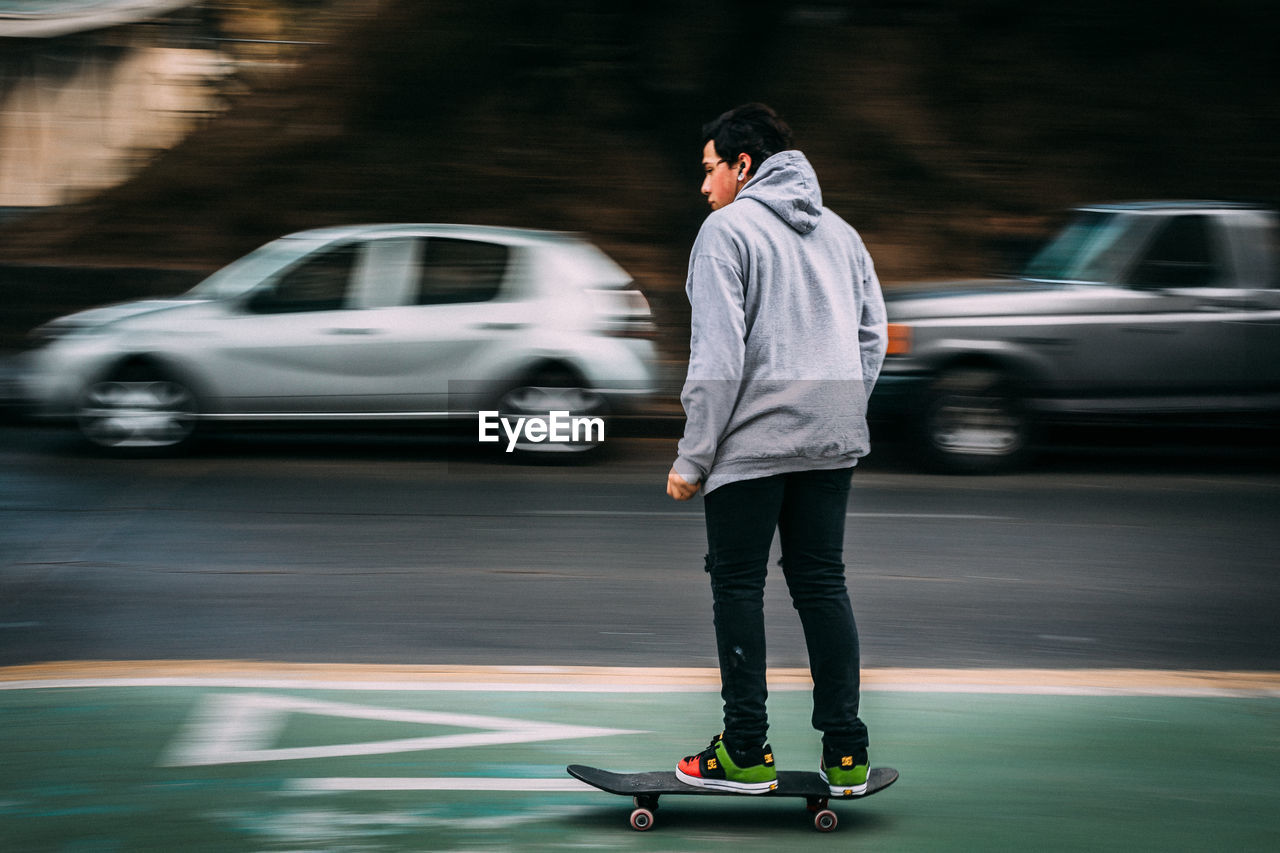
873	332
717	346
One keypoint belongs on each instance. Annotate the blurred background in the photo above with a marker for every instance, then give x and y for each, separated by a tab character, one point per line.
168	138
146	143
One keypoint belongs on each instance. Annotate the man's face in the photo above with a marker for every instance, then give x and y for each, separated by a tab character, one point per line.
720	184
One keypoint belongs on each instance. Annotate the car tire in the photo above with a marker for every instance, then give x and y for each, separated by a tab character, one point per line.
548	390
972	421
138	409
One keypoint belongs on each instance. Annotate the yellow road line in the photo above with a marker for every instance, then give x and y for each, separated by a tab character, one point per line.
606	678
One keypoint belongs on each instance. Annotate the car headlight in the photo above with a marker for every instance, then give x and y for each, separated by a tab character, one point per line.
56	330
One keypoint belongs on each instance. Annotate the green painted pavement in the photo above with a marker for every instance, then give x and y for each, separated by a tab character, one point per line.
102	769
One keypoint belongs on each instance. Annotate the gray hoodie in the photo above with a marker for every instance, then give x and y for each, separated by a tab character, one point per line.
788	334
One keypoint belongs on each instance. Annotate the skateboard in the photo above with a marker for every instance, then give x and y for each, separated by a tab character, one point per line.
645	789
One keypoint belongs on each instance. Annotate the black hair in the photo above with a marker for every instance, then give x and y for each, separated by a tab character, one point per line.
752	129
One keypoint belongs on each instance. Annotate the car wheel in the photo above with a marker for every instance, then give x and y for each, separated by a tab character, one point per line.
555	391
972	422
138	409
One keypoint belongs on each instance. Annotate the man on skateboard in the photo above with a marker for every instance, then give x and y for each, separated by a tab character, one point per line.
788	336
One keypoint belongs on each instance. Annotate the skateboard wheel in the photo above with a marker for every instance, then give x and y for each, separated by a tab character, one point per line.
641	819
825	821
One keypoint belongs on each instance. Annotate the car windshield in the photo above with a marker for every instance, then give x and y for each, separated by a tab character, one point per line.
242	275
1083	251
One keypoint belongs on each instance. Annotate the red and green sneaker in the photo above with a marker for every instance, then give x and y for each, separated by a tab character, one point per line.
714	768
846	775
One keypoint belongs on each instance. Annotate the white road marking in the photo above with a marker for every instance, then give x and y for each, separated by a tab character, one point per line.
434	783
942	516
240	728
697	516
608	513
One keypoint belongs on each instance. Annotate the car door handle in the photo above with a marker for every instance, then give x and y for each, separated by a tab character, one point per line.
501	327
1226	307
346	330
1045	342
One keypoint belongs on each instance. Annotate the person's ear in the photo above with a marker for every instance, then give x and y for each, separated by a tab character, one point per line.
744	166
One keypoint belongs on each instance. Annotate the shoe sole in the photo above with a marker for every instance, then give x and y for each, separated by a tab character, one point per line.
843	790
727	785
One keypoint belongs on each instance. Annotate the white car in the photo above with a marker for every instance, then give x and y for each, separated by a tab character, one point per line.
357	324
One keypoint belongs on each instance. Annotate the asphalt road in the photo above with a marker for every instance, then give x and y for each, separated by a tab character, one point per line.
408	551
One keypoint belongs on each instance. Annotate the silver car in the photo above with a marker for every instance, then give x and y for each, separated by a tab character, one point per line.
357	324
1137	311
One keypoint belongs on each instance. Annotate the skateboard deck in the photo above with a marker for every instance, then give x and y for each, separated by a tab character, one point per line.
645	789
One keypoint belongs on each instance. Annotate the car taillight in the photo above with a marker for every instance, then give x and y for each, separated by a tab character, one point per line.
623	313
899	339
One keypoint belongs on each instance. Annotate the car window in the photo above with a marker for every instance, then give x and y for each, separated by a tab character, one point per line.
321	282
387	273
246	273
454	271
1088	249
1182	254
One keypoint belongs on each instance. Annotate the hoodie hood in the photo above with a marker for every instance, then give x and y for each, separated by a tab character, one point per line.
786	184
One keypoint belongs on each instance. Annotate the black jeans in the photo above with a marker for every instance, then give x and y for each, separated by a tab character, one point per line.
807	508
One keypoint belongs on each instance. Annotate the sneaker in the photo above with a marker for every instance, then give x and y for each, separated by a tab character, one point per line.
713	768
844	777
